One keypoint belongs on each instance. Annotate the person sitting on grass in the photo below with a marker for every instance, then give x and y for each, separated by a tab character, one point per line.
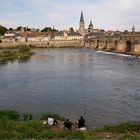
52	121
68	124
81	124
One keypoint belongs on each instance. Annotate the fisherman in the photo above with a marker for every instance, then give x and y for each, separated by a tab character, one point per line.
81	122
68	124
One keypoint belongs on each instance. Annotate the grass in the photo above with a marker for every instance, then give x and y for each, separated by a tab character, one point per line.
56	116
12	127
10	115
22	52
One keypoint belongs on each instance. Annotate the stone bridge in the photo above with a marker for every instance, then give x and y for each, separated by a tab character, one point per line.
129	44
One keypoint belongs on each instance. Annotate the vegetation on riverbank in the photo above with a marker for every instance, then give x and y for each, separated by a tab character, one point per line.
21	52
13	126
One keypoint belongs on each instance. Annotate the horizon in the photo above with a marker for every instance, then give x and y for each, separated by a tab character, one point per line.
105	14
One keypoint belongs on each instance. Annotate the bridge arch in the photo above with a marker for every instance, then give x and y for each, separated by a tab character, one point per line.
116	44
129	46
98	42
106	44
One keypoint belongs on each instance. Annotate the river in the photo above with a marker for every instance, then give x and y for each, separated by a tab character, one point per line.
104	88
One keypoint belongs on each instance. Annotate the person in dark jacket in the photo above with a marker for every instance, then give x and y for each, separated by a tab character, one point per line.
81	122
68	124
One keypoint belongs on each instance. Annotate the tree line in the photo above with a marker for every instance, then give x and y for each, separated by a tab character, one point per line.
3	29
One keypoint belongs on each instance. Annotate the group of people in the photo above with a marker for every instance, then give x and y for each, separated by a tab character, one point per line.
67	123
80	123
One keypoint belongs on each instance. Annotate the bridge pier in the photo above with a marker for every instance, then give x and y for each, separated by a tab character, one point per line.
121	48
137	49
110	46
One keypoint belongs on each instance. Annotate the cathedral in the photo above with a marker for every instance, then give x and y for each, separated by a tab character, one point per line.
82	30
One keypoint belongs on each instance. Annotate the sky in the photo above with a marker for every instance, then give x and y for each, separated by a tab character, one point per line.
63	14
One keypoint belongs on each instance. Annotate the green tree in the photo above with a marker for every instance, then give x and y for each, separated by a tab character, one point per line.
11	29
47	29
19	28
3	30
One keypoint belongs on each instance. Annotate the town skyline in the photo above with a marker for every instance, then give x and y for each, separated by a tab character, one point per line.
105	14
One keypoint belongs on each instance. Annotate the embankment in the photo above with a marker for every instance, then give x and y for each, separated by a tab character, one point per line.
49	44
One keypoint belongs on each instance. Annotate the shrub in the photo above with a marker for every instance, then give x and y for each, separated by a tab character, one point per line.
32	46
23	48
10	115
27	117
124	128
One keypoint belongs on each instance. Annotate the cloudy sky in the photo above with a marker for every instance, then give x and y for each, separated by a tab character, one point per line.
62	14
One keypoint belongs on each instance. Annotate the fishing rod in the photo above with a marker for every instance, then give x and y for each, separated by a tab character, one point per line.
84	105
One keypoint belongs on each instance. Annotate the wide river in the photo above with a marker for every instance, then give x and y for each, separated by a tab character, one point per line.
104	88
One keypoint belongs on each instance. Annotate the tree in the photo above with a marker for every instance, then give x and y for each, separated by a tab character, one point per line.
47	29
2	30
19	28
11	29
28	29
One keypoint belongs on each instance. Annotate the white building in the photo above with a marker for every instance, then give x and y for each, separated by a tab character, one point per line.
38	39
64	35
60	36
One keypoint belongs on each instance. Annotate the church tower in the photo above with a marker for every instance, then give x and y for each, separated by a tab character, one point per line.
90	27
82	25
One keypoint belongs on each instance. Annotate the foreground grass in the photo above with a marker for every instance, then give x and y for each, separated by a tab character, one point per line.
22	52
12	127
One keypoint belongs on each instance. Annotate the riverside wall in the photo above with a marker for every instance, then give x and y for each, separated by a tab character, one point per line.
55	44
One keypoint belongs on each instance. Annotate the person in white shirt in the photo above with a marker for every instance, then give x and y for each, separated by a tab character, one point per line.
52	121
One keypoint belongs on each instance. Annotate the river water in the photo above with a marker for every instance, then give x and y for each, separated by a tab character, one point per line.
104	88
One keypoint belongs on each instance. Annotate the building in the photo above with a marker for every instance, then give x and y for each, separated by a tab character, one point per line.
68	35
82	25
72	35
90	27
34	37
60	36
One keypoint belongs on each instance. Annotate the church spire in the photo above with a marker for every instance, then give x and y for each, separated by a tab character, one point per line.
82	25
82	17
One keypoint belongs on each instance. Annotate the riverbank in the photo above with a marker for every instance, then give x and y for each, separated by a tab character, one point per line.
13	126
49	44
72	44
21	52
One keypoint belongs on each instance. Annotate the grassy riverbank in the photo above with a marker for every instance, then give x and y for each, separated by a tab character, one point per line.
13	126
21	52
